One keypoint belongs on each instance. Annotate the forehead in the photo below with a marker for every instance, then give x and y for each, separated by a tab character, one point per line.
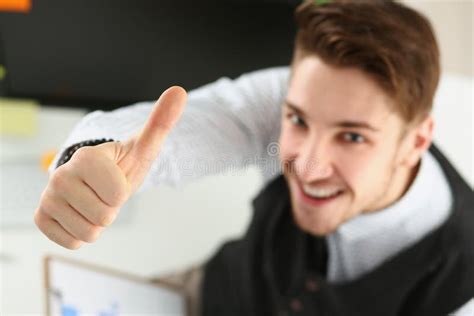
330	93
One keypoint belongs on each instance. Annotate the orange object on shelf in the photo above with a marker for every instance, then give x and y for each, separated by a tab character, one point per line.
15	5
47	158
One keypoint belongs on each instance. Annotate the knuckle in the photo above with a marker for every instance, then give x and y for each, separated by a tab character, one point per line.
72	245
83	155
92	233
106	218
58	179
40	219
119	197
59	185
48	204
43	222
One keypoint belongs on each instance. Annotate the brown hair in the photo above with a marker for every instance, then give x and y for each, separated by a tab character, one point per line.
387	40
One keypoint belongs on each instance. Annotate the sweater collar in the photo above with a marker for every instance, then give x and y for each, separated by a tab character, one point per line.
368	240
428	188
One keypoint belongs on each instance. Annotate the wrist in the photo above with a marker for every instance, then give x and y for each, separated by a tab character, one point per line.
69	152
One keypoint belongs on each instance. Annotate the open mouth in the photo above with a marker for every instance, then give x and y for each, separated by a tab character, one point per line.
318	197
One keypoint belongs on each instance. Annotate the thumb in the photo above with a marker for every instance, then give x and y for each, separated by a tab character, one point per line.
144	147
163	117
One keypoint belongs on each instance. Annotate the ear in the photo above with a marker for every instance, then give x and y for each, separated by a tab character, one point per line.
419	141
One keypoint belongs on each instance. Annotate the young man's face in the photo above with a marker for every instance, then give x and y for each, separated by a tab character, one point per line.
344	149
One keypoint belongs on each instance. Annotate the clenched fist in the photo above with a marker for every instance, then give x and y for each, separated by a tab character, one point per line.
84	195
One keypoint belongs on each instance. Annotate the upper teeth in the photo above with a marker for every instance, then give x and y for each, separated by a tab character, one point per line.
319	193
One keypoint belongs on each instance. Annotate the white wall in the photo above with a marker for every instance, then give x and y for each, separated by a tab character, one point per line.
453	24
452	21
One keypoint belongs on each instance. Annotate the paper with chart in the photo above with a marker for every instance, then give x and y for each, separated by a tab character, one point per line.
77	290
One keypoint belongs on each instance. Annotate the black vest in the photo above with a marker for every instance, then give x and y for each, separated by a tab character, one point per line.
277	269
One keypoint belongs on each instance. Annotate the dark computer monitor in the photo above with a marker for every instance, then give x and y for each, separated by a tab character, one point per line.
106	54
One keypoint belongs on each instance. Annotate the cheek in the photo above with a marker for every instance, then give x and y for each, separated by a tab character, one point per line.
360	170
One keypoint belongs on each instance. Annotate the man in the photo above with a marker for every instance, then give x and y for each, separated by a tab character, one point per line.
364	220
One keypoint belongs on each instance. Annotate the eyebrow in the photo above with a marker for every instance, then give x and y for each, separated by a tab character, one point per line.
346	124
295	108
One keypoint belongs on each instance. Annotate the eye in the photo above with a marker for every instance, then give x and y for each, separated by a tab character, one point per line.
296	120
353	138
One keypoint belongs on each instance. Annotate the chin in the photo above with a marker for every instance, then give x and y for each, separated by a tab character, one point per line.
310	222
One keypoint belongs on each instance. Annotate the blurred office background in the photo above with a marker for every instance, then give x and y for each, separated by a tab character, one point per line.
62	59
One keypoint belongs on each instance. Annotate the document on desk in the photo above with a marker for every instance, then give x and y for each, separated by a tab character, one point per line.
79	289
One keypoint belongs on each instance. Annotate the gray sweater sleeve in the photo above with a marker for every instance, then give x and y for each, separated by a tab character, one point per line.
227	125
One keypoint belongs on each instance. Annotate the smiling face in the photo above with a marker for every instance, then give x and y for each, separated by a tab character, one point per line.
343	148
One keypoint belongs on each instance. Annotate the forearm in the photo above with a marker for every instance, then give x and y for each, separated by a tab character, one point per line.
227	125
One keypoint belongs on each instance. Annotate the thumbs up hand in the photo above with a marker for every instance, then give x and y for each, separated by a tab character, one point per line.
84	195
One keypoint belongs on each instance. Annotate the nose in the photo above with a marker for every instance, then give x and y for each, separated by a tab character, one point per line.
314	161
